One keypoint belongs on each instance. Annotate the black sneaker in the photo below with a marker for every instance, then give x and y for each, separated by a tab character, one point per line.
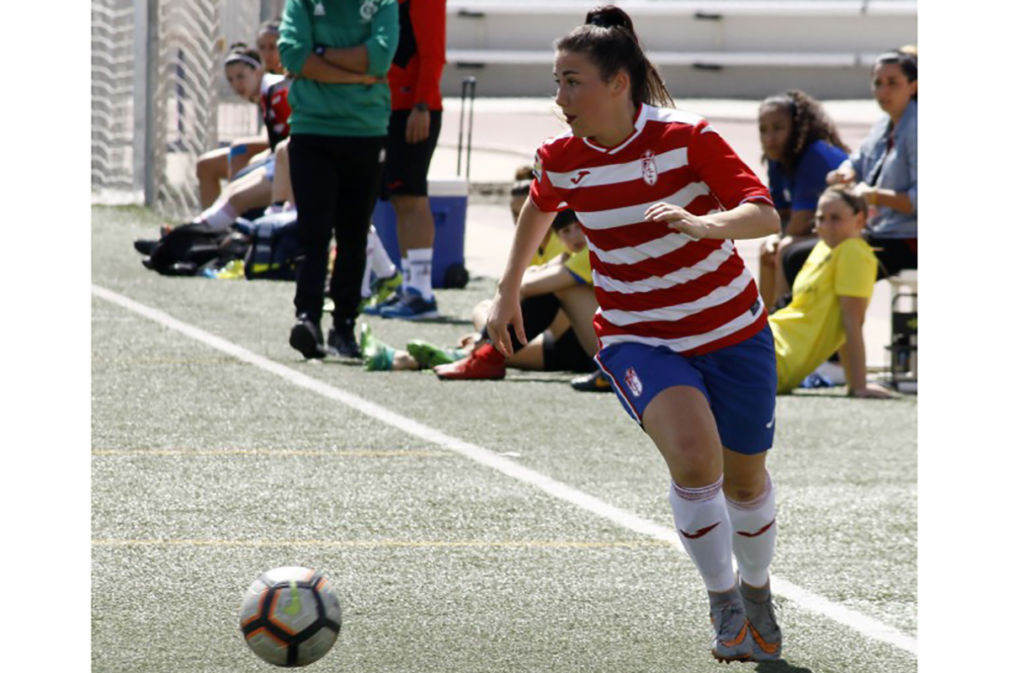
307	339
144	245
597	382
341	339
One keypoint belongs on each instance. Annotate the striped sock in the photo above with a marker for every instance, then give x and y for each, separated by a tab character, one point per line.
704	529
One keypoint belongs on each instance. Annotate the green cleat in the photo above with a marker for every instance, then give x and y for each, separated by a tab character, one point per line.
429	355
378	356
382	290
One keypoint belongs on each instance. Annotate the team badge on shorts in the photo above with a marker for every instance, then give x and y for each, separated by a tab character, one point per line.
650	173
633	382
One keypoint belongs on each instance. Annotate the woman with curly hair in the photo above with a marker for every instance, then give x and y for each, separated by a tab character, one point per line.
801	146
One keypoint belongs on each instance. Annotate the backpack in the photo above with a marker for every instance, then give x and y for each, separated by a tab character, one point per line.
186	248
274	252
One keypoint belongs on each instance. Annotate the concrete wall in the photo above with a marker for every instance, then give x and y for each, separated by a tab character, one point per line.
703	49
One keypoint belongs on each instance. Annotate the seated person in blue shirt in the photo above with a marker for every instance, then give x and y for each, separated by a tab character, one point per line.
801	145
885	168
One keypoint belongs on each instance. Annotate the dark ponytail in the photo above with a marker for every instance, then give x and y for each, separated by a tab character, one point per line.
608	39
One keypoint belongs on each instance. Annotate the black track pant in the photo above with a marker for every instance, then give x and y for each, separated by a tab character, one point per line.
336	182
563	353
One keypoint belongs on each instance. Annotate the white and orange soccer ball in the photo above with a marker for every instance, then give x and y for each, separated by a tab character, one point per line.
290	616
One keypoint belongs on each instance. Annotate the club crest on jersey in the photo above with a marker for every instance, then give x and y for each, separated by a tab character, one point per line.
368	9
633	382
650	173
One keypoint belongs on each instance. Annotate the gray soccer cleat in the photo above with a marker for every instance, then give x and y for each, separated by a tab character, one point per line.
732	640
765	632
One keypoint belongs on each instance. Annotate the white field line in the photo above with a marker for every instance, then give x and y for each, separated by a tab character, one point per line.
863	624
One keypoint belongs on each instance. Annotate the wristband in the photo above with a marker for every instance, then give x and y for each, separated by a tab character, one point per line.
871	198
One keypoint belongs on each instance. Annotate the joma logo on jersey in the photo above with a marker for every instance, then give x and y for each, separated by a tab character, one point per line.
578	178
633	382
650	173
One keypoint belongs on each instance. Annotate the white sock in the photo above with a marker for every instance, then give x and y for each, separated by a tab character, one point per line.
382	265
754	534
220	214
419	260
405	270
704	529
366	278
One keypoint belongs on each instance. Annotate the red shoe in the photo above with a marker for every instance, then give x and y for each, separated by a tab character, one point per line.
483	363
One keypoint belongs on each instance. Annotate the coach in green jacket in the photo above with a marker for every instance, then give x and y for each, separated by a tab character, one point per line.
339	52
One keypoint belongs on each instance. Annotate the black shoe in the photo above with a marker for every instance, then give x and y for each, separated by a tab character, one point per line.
144	245
307	339
341	341
597	382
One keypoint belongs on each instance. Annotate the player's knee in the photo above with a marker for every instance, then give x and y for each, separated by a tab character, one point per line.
205	168
693	457
744	488
406	205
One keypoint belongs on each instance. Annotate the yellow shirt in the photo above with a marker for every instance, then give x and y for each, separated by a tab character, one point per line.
578	264
810	328
549	251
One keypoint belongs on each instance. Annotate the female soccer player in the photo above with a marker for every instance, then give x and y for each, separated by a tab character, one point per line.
683	332
801	144
243	67
266	44
830	298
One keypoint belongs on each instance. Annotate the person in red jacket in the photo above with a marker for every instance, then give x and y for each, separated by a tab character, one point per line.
413	133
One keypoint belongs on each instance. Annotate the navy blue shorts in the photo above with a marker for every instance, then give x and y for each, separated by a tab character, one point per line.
738	381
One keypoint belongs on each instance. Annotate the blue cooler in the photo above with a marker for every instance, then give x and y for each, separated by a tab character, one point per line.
448	206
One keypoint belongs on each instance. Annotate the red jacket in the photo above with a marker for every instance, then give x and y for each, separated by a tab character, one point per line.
416	72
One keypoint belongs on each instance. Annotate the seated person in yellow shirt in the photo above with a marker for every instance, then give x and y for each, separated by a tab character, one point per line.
830	296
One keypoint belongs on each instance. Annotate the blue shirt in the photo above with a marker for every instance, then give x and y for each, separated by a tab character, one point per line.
897	170
801	190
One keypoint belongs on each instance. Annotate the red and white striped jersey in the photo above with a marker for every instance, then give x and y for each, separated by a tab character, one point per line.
274	107
655	285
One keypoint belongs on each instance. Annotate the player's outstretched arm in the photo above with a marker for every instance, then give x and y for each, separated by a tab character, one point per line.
530	230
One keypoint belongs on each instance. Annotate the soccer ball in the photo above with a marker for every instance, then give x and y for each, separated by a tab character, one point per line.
290	616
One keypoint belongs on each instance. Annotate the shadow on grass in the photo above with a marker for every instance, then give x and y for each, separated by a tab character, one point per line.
781	666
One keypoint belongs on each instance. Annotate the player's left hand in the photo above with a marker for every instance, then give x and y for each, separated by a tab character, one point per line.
686	223
418	126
